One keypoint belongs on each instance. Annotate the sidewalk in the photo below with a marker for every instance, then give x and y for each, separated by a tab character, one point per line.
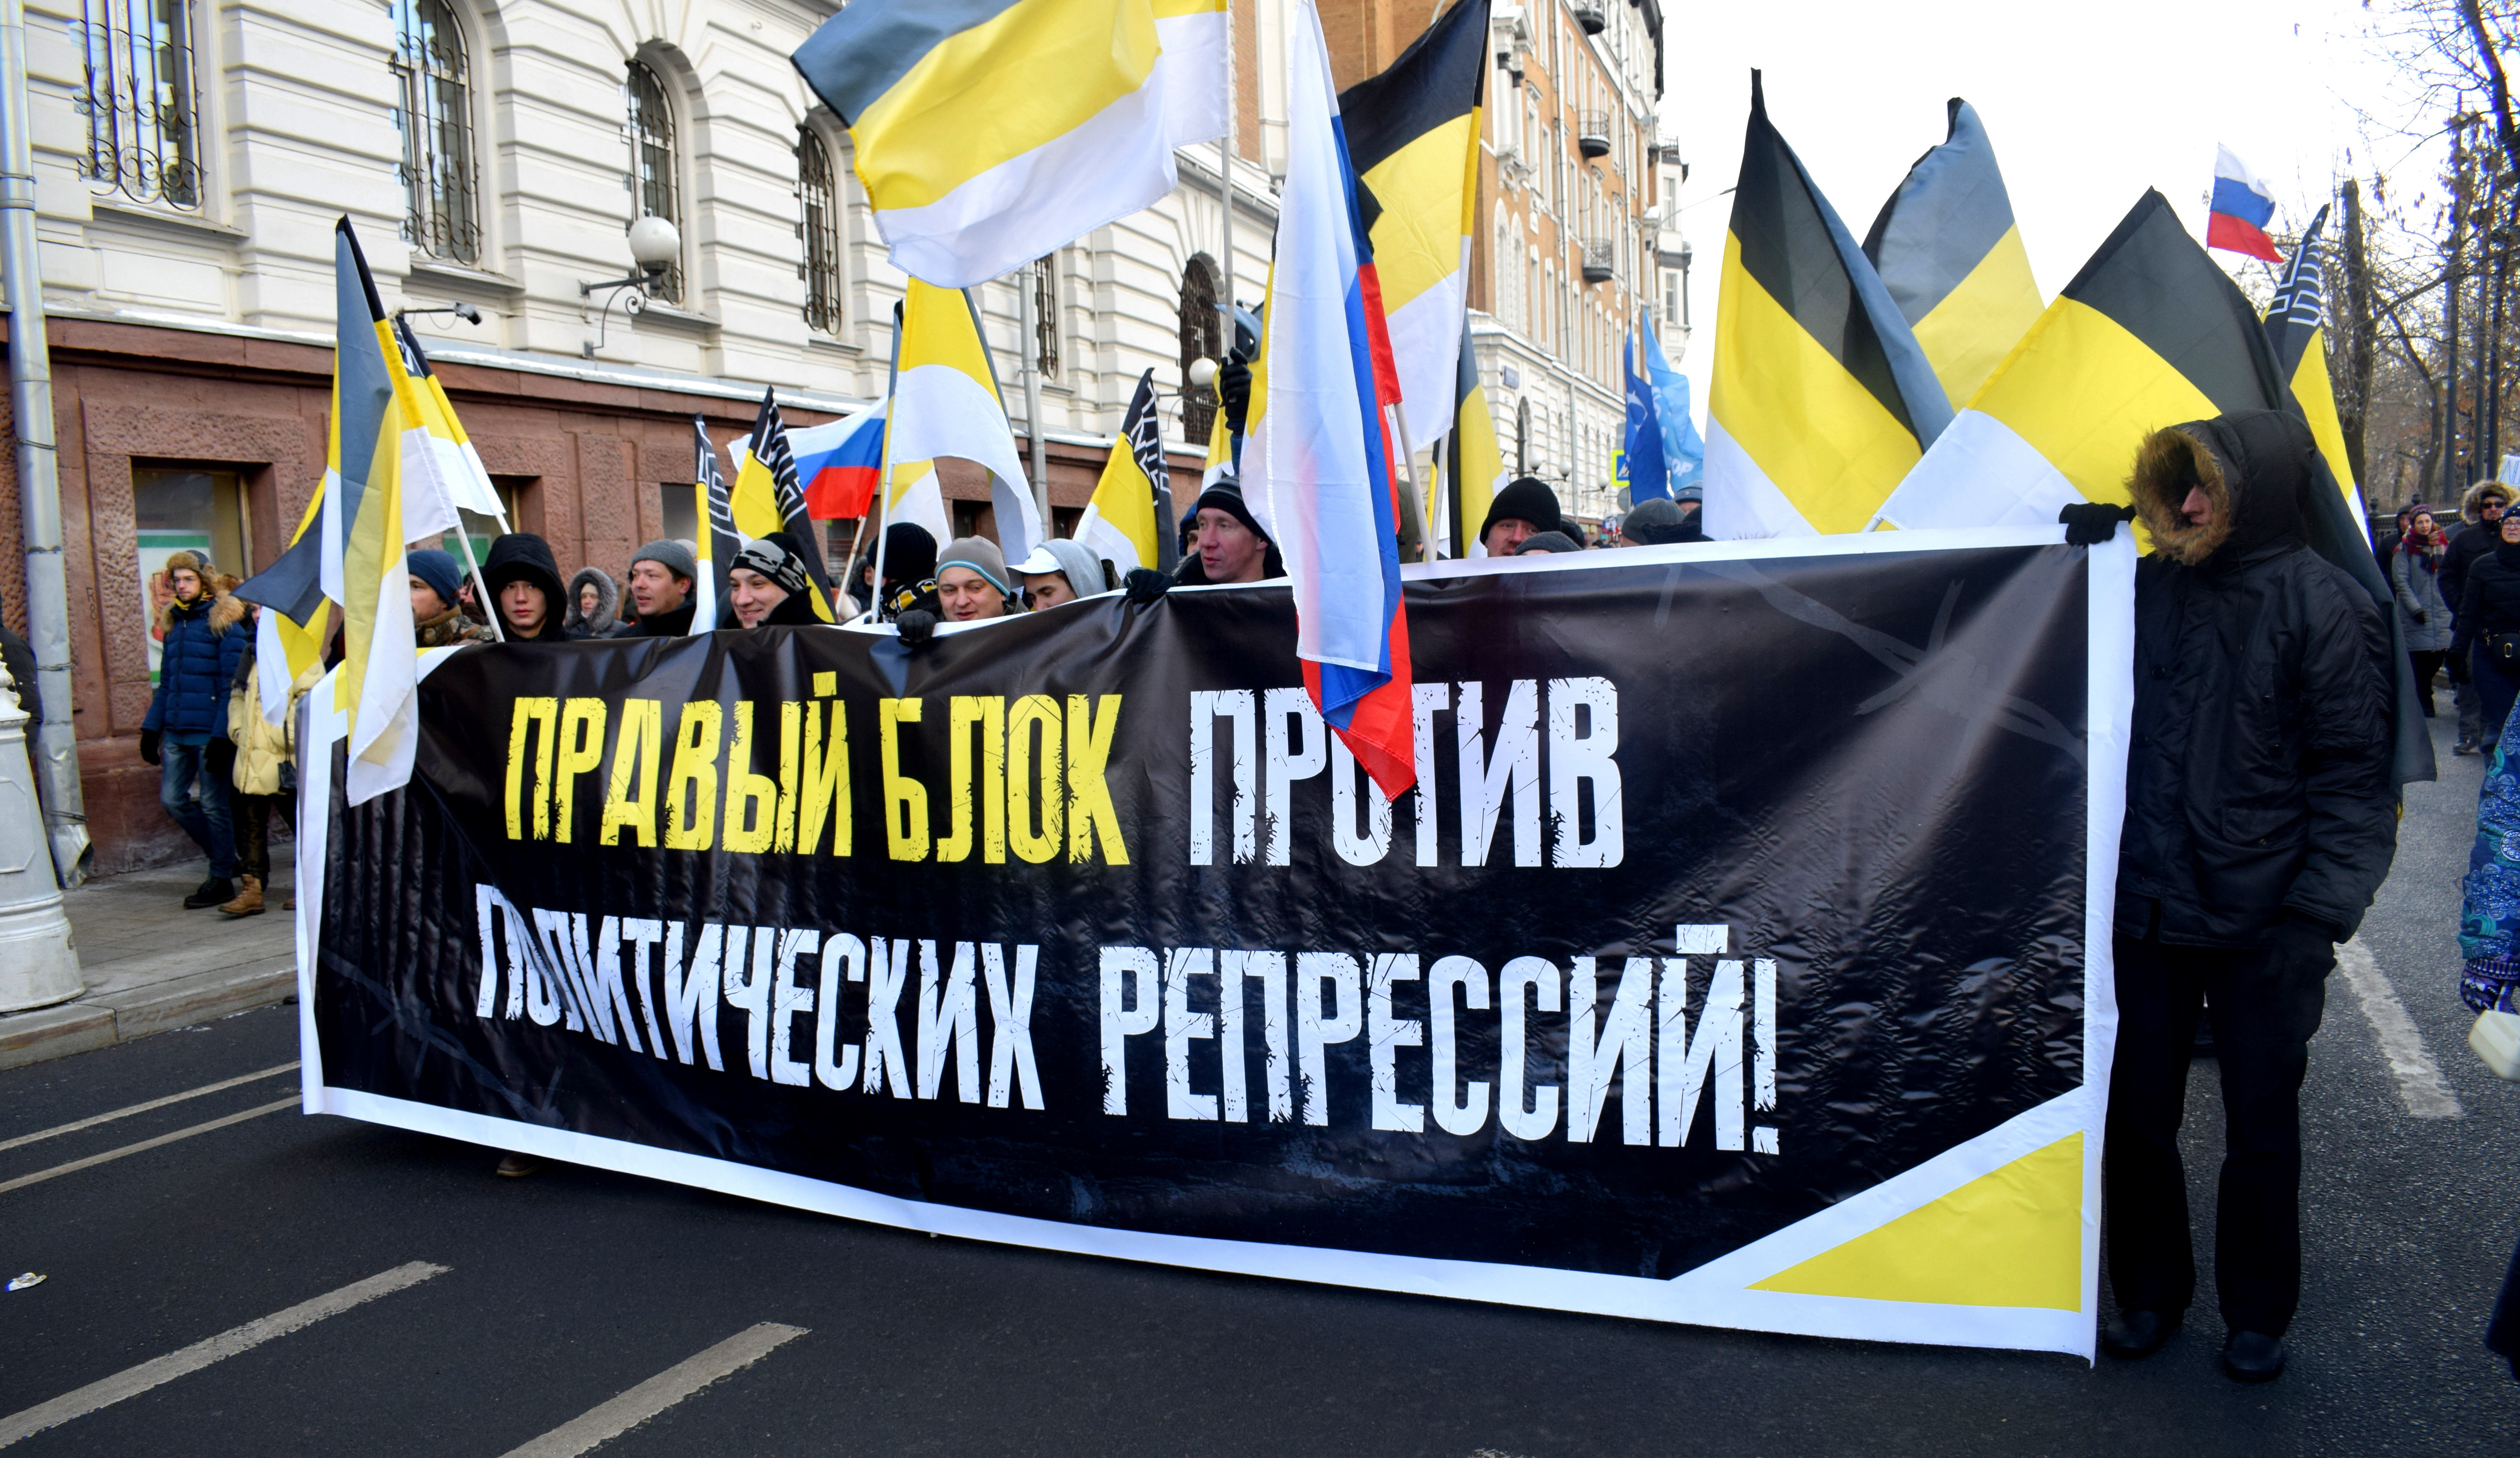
150	965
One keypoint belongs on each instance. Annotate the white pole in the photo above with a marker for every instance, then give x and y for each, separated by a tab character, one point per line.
1225	189
1029	325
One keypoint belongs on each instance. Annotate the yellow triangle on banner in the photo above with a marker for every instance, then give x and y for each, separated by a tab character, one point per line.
2012	1237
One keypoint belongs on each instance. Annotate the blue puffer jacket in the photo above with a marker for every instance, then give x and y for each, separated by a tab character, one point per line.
199	660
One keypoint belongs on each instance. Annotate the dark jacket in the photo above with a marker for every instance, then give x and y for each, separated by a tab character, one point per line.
2471	541
795	611
526	556
1192	573
675	624
2257	775
196	662
606	617
2492	601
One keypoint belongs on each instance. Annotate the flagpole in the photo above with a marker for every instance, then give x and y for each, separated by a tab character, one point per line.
1399	412
1028	321
489	608
1225	192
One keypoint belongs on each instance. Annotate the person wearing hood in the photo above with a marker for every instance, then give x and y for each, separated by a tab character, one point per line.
523	579
661	577
972	581
1227	542
2481	516
1523	510
767	585
594	605
2258	827
2488	638
909	566
202	641
1059	570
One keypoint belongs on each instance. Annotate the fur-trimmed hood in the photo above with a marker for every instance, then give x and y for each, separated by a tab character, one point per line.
607	603
2471	507
2253	466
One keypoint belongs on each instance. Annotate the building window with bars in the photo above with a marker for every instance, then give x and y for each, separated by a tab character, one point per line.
817	195
1043	278
654	163
142	101
433	72
1203	336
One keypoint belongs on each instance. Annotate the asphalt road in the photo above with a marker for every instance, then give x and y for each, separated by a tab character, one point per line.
560	1291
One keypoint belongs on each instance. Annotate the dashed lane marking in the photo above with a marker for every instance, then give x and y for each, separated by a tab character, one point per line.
111	1155
2420	1083
609	1420
134	1380
155	1103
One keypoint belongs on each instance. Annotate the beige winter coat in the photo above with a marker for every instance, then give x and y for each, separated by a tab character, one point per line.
262	747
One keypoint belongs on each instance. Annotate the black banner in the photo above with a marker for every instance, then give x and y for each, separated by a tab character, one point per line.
1736	883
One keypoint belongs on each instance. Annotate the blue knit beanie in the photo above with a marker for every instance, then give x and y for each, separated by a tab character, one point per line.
437	570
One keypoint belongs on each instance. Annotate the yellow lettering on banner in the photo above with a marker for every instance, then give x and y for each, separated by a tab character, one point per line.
905	800
696	740
530	711
989	713
640	745
825	771
785	840
1089	798
1033	779
581	749
751	800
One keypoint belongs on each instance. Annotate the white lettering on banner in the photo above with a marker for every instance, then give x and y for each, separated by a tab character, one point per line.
885	977
843	951
949	1018
1637	1044
1279	743
1010	1024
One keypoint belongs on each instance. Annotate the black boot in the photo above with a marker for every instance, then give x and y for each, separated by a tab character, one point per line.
2253	1356
2140	1333
216	891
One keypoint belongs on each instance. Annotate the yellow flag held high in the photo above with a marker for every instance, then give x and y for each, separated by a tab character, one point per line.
1129	522
1951	255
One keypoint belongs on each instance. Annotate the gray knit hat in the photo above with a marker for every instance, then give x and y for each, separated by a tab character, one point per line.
671	556
980	554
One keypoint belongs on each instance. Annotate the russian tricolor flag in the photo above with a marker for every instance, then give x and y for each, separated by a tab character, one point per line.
1316	460
2243	206
840	464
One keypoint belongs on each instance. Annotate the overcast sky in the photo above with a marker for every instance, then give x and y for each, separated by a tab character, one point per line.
2087	106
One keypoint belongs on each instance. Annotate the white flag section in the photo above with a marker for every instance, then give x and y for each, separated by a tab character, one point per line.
1978	472
1742	503
917	498
1425	350
945	402
1304	467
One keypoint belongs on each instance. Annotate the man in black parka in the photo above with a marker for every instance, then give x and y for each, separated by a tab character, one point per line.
2260	818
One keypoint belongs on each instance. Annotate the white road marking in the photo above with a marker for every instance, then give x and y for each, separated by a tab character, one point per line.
133	1382
2420	1080
155	1103
609	1420
111	1155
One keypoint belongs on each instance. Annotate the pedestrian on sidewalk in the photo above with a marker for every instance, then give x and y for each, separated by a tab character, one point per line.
2414	574
2489	945
2488	638
2258	827
185	732
265	775
2481	516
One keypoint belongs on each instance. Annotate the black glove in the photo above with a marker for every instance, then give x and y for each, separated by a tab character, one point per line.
1234	387
2422	617
1144	585
916	626
2457	664
2302	946
2091	523
149	742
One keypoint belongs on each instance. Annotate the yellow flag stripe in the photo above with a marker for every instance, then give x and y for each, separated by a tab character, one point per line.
987	95
1418	238
2318	396
1818	433
1977	324
1126	501
936	329
2084	392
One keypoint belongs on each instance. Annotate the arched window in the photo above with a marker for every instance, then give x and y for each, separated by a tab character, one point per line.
817	200
442	192
1522	437
653	162
1203	336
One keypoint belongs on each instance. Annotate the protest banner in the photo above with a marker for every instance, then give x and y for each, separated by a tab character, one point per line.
1740	958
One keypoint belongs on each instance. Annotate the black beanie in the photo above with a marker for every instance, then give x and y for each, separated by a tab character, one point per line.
1525	499
1227	495
909	553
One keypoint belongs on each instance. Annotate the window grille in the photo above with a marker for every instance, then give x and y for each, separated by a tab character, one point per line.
653	162
818	192
142	101
1203	336
433	69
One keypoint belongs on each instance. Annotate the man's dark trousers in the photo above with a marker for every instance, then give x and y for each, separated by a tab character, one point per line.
2264	1016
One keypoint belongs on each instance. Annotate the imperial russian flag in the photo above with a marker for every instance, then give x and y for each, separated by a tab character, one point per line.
2243	205
1314	459
839	462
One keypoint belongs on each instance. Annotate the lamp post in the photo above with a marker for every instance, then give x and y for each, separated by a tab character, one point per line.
39	966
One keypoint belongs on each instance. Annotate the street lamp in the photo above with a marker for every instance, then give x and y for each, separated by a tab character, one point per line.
656	245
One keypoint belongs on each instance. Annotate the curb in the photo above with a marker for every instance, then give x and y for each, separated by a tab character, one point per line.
89	1023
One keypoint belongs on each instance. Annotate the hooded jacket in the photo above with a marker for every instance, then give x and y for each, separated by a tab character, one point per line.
2258	774
525	556
605	620
2469	542
201	647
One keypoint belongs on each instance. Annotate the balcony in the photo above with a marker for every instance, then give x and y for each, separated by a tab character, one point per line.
1593	134
1599	260
1592	19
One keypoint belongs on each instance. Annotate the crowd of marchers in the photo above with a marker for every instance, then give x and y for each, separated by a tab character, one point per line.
2261	795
